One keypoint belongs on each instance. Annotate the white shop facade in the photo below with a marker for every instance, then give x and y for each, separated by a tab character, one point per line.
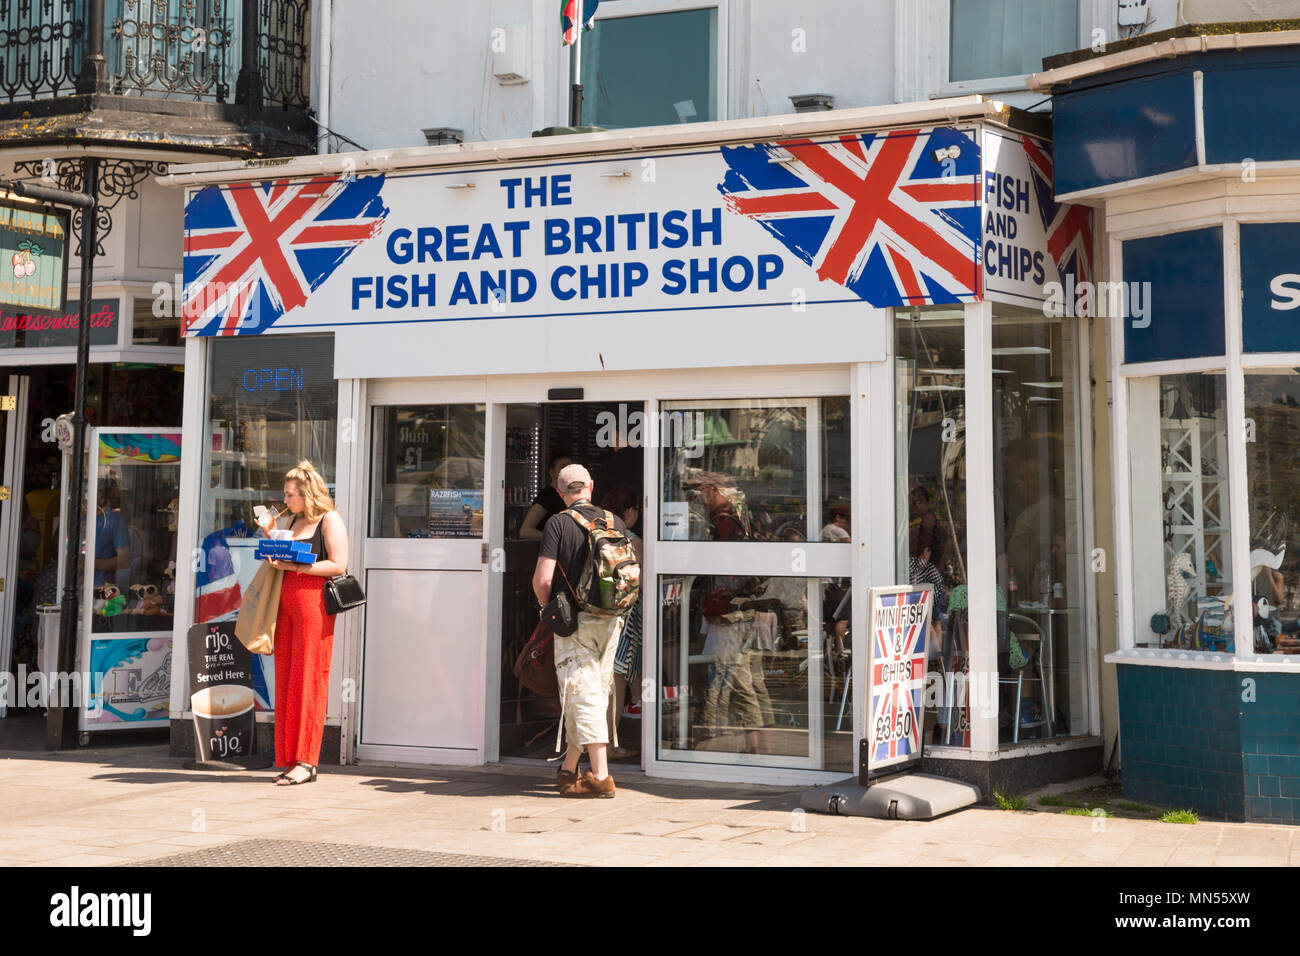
827	331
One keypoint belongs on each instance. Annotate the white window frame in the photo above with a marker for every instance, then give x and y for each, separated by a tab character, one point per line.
922	43
641	8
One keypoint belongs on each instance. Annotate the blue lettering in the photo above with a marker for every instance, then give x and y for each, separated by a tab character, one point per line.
487	243
674	281
516	230
457	243
700	228
464	289
399	246
586	232
560	190
360	290
509	186
557	236
564	295
675	235
769	267
423	290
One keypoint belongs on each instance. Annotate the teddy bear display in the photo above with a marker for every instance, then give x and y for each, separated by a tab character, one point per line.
111	601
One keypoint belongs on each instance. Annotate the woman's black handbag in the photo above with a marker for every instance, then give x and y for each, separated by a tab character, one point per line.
343	593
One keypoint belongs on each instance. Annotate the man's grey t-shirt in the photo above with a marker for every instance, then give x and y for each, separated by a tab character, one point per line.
566	541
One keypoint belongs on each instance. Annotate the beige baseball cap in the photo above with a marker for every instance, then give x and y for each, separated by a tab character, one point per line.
572	478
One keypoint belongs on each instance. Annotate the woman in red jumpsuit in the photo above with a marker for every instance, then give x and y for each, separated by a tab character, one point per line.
304	633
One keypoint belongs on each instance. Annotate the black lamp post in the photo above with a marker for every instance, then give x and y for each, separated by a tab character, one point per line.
61	726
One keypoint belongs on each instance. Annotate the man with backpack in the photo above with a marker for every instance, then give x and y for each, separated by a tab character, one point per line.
587	553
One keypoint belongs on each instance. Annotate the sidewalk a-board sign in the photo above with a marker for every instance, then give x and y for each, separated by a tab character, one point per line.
221	699
899	631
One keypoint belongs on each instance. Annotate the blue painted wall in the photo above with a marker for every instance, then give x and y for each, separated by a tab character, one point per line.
1223	743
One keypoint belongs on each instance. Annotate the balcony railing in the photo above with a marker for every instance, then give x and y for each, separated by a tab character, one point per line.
224	51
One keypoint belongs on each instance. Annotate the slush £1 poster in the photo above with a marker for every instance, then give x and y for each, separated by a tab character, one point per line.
900	625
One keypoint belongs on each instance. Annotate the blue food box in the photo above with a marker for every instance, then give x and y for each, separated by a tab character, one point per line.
297	551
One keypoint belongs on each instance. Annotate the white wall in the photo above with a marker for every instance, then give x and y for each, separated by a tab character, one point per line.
400	66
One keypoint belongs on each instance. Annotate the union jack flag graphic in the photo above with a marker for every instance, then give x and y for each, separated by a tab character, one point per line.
893	217
255	251
1068	225
897	675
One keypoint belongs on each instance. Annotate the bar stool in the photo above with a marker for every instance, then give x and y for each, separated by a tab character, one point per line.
1027	633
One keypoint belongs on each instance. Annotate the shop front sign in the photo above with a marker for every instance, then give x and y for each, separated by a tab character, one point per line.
33	257
899	622
899	218
25	328
1270	286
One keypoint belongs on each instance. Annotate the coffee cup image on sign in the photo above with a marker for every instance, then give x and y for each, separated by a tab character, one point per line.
224	719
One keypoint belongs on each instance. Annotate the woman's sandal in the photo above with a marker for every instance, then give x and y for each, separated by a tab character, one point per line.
287	780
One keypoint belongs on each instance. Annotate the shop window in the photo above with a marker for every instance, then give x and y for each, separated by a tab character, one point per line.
427	479
678	48
740	470
147	328
1004	38
1273	493
1178	468
1036	500
271	403
755	670
931	486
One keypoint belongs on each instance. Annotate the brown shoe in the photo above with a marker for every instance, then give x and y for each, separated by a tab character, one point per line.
564	779
588	786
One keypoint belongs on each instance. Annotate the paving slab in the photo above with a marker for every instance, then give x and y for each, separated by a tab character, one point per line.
105	807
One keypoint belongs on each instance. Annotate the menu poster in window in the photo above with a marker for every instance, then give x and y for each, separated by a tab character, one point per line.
455	513
899	626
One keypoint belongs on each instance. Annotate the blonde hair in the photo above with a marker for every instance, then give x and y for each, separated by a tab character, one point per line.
312	488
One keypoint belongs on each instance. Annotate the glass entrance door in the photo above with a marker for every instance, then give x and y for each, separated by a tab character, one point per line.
539	440
425	557
753	594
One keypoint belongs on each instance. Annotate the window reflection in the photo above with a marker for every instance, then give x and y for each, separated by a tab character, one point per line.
931	507
1178	439
428	471
1273	492
744	671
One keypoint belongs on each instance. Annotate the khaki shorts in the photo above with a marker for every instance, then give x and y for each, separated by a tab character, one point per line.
584	667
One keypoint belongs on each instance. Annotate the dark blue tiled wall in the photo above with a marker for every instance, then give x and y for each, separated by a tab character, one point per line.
1270	738
1195	739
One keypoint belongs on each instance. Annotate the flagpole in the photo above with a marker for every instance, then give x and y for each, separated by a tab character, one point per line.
575	101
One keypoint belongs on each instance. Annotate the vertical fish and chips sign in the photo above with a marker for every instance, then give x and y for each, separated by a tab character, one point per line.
900	632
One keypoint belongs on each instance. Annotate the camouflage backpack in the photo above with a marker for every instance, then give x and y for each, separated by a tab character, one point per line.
611	580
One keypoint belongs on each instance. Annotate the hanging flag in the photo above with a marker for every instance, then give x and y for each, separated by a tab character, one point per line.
568	16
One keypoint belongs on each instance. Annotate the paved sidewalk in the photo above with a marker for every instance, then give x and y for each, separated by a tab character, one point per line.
130	805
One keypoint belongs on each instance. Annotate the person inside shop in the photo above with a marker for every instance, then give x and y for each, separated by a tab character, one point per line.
625	503
304	632
837	529
718	493
926	531
549	502
112	537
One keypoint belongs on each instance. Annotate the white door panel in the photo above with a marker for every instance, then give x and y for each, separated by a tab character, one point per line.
423	662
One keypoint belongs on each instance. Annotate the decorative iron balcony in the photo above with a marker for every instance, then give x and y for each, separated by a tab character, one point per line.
251	53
